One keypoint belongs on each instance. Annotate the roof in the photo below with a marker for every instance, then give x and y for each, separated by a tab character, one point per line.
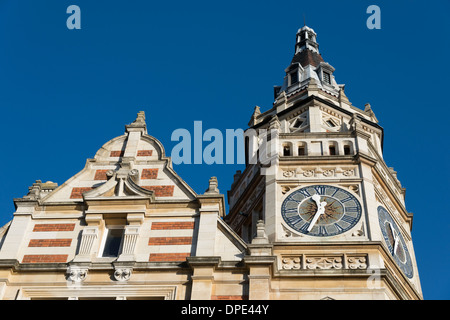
307	57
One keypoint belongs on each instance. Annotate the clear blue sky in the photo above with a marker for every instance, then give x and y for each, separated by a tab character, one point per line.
64	93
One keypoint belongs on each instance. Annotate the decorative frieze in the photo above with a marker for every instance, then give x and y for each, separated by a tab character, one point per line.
323	262
319	172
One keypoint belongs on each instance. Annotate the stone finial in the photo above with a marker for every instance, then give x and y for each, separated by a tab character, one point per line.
140	117
342	97
354	122
39	189
255	115
274	123
369	111
138	124
213	184
261	237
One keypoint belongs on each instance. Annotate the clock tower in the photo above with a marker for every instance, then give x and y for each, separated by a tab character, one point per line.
316	200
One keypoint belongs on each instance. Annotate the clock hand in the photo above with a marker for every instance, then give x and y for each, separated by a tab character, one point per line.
395	243
320	211
316	198
395	235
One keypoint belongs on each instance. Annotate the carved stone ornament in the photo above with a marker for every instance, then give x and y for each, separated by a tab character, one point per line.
359	232
323	262
76	274
289	173
285	189
291	263
357	262
328	172
348	173
122	274
308	173
342	261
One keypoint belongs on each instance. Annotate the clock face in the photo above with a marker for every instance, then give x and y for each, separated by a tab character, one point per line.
321	210
395	242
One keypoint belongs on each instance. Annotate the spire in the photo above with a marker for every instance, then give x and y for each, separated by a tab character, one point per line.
307	68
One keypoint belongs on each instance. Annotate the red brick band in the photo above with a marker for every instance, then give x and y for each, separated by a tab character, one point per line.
149	174
144	153
54	227
172	225
161	191
168	257
50	243
77	193
44	258
155	241
101	174
118	153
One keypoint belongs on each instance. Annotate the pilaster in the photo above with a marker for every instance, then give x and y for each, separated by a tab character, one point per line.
202	276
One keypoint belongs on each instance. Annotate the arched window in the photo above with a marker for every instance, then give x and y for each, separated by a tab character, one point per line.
301	149
287	149
348	148
332	148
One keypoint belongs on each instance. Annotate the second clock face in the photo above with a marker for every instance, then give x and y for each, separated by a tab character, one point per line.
321	210
395	241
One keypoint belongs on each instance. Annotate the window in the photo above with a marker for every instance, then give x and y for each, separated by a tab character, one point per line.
294	77
332	150
298	123
286	151
326	77
301	151
112	242
331	124
346	150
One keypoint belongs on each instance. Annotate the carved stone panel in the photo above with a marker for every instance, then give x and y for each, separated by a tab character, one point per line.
323	262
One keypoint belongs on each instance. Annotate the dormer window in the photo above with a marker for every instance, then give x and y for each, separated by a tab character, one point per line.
326	77
294	77
325	73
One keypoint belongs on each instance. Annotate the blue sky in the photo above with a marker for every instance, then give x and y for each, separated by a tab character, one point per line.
64	93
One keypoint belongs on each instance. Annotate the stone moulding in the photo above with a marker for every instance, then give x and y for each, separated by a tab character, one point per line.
147	291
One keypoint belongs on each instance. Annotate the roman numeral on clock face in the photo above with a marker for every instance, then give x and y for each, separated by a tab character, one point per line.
322	231
291	210
352	209
320	190
304	192
348	219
